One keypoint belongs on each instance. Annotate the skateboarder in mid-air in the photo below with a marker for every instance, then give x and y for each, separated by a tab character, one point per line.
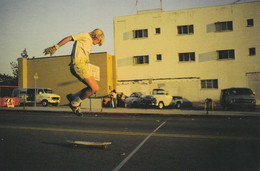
79	59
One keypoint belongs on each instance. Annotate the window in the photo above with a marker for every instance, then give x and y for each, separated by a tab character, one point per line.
250	22
141	59
158	57
226	54
187	29
209	83
158	30
187	56
140	33
40	91
224	26
252	52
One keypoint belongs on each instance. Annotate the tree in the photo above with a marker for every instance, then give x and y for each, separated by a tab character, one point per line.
10	80
14	66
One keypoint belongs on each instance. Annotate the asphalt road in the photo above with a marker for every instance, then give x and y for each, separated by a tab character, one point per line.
37	141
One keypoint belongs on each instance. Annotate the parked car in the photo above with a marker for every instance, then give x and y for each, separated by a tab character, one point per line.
237	97
147	101
176	102
163	99
134	100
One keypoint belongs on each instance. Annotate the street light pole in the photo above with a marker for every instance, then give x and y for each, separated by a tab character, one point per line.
35	78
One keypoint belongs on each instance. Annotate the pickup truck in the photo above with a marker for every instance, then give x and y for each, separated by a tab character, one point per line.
45	96
163	99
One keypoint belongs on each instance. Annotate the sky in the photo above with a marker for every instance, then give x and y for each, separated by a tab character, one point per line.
38	24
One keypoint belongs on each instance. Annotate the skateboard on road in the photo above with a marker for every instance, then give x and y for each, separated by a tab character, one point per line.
87	143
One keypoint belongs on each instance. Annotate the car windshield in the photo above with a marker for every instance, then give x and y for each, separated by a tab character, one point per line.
48	91
241	91
158	91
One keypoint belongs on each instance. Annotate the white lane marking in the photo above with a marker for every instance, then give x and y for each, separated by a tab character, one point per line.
137	148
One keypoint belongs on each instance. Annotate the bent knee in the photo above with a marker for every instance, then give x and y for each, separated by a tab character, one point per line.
95	89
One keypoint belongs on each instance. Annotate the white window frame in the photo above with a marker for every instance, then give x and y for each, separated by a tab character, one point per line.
144	59
209	84
185	29
226	54
142	33
187	57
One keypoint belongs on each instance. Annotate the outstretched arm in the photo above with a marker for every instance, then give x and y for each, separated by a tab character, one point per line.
52	50
65	40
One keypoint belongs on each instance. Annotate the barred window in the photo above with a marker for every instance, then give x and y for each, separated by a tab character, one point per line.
140	33
250	22
224	26
158	57
252	52
190	56
141	59
209	83
226	54
187	29
158	30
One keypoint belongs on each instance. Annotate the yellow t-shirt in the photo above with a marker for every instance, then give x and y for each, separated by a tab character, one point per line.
82	46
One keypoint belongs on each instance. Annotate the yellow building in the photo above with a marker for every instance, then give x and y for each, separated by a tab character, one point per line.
193	53
54	73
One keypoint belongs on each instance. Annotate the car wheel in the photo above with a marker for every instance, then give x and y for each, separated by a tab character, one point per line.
45	103
160	105
178	105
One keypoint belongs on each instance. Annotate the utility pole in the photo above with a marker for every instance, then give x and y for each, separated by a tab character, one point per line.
136	6
35	78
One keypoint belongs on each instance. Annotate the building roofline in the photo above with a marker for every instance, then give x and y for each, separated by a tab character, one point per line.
150	11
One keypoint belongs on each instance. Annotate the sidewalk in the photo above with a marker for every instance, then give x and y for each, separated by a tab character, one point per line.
137	111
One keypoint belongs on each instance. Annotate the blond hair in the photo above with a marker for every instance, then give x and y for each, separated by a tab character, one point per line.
98	34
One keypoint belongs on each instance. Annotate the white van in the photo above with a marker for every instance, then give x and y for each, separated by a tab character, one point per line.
45	96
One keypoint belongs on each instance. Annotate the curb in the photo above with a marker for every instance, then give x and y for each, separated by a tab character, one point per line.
139	112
